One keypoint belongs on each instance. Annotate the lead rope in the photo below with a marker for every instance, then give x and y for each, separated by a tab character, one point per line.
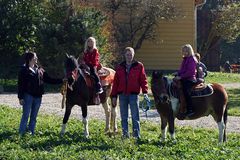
64	93
145	105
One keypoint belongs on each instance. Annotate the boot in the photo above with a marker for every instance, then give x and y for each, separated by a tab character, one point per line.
190	111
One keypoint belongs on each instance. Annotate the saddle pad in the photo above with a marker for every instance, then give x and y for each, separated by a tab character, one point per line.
206	91
103	72
108	78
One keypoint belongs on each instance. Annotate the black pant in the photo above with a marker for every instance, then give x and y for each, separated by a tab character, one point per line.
187	86
95	76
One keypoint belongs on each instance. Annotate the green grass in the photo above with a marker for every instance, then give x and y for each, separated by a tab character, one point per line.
219	77
46	144
234	102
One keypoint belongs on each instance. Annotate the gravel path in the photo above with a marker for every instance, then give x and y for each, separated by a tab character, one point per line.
51	104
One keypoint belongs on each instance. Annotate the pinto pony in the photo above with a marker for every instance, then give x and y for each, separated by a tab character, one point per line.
168	105
80	93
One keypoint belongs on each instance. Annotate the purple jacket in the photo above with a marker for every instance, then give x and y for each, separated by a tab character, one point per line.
188	68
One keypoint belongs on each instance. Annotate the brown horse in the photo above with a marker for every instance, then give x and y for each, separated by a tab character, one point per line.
80	93
168	105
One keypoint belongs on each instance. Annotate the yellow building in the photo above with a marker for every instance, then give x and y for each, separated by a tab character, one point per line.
165	52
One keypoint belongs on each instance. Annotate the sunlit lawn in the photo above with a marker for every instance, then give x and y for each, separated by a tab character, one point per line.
47	144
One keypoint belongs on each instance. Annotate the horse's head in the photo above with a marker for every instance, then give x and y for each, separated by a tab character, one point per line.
71	66
159	87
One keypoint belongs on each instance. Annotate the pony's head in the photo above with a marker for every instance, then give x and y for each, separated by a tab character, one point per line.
159	87
71	66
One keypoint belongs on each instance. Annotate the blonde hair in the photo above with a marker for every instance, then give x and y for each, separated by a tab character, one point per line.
189	49
130	49
198	56
86	44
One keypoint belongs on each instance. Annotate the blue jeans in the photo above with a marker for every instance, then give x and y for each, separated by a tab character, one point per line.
125	101
31	107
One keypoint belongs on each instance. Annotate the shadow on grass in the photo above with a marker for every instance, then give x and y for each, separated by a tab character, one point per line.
50	140
9	135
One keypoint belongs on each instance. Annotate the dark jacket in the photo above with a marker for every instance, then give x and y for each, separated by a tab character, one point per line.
129	83
33	83
202	74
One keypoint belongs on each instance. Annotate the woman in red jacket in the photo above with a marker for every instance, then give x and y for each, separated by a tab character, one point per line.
130	76
91	58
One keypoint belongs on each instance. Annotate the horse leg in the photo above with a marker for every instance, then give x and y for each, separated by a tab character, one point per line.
221	128
171	127
163	128
225	122
85	121
220	116
222	121
107	114
113	119
65	119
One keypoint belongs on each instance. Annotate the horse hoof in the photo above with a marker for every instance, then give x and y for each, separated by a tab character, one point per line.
61	134
115	131
162	140
174	141
86	135
107	131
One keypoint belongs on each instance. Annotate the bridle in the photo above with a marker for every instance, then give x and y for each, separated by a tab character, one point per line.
74	75
162	91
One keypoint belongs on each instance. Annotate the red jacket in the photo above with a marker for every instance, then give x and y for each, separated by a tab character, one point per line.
129	83
91	58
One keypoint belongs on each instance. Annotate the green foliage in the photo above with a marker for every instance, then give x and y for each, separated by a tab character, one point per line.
17	32
51	28
228	22
47	144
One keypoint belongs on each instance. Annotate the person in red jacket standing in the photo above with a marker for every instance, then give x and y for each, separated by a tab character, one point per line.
129	78
91	58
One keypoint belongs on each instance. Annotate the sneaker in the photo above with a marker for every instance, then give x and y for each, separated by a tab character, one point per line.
125	136
190	113
99	91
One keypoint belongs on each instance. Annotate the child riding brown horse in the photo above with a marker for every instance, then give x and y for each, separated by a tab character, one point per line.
79	93
167	104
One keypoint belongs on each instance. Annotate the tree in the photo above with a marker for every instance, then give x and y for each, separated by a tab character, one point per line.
217	21
51	28
134	21
17	32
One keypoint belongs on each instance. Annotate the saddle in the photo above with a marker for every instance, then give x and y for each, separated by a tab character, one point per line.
201	90
106	76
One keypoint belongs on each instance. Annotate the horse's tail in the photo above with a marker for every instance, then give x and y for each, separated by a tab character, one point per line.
225	123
